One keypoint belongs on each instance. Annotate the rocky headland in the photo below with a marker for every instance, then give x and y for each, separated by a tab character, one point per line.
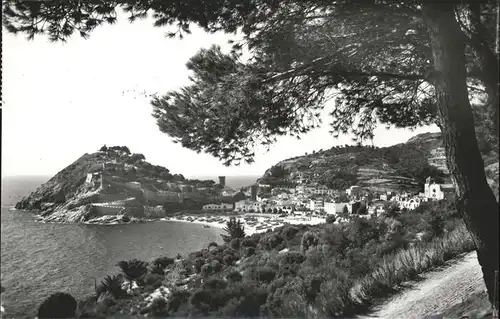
113	186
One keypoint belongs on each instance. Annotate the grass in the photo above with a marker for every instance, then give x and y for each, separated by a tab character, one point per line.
407	264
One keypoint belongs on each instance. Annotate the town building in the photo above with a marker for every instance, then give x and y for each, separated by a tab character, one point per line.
432	190
221	206
316	205
353	190
332	208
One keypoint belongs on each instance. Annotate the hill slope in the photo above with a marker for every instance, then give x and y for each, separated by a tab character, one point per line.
395	168
112	182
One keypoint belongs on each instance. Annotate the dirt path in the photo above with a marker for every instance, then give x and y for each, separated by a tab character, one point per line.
438	291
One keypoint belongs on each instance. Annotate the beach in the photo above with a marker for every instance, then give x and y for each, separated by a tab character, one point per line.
253	223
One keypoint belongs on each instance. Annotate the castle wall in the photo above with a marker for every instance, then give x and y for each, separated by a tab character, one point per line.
107	210
162	197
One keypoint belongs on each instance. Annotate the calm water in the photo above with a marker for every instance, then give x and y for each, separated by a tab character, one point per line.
40	259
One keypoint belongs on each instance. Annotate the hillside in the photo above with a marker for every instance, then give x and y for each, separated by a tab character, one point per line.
401	167
113	182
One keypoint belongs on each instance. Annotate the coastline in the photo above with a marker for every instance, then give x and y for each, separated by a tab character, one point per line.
253	223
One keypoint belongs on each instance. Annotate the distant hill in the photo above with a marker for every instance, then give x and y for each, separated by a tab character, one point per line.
395	168
113	181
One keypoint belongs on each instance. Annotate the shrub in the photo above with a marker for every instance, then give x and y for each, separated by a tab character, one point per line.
234	276
133	269
208	300
228	260
235	243
163	261
250	251
210	268
330	219
177	298
246	306
159	307
271	241
234	228
263	274
250	242
309	239
58	305
288	300
290	231
113	285
292	257
153	280
157	269
198	263
214	283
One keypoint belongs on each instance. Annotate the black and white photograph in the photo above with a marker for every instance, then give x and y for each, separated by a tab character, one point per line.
250	159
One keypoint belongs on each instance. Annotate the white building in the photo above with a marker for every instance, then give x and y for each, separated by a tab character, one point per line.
221	206
410	204
332	208
432	190
329	208
351	190
317	205
247	205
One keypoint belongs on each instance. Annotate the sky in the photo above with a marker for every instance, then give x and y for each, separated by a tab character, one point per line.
61	100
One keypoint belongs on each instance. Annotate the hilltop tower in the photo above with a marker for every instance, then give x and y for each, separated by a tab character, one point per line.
222	181
254	189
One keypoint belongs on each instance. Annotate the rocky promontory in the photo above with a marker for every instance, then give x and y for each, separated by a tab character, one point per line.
114	185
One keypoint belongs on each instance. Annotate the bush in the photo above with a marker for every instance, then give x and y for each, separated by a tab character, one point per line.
290	231
250	242
211	268
58	305
271	241
214	283
246	306
198	263
292	258
133	269
234	228
177	298
208	300
154	281
159	307
250	251
228	260
309	239
235	243
234	276
330	219
113	285
263	274
157	269
163	261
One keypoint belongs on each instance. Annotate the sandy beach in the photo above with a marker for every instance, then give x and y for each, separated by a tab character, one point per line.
253	223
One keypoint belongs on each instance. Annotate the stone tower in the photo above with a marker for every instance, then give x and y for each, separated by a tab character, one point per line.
254	189
222	181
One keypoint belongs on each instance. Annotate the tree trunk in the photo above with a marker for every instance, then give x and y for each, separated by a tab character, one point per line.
476	201
488	62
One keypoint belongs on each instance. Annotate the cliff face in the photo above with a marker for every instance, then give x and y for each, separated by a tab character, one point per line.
401	167
111	183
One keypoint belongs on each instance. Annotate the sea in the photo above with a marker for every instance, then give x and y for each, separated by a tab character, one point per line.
39	259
